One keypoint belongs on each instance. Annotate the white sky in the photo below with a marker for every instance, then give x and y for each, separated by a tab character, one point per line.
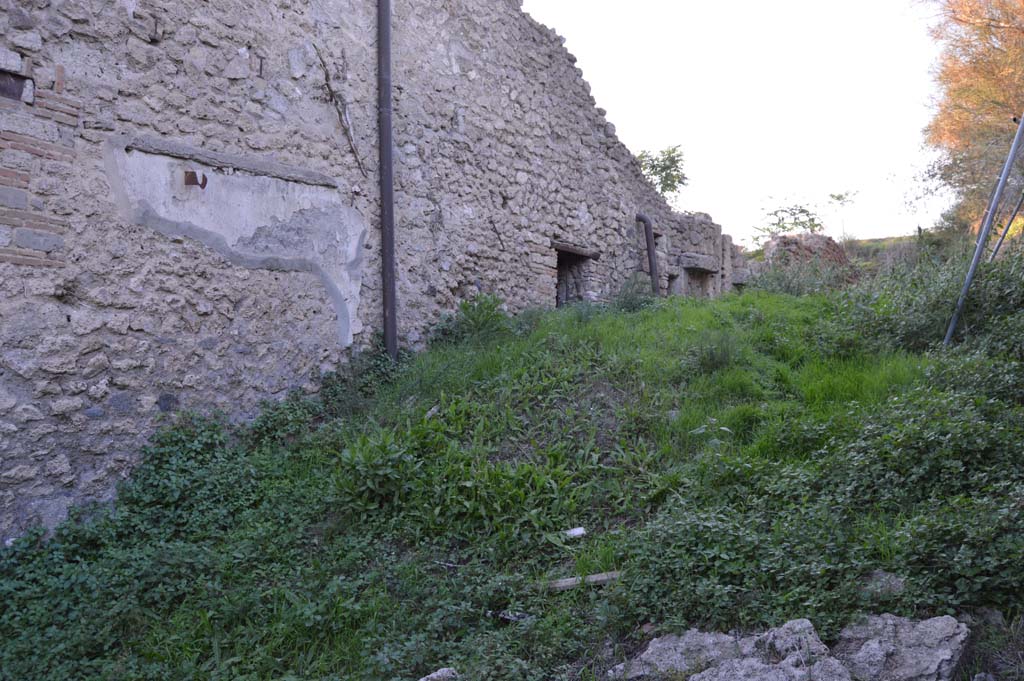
773	101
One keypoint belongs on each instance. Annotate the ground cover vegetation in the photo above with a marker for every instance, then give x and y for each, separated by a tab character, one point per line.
740	462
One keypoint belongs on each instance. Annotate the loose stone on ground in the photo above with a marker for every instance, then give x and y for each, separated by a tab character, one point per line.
877	648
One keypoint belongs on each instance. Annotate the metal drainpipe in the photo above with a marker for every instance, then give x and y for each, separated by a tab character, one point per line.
387	178
652	254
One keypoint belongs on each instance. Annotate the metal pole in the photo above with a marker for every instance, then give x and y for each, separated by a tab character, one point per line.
986	228
1009	224
387	178
652	253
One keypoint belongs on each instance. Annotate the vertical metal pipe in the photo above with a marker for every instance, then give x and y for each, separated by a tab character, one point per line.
1009	224
986	229
652	253
387	178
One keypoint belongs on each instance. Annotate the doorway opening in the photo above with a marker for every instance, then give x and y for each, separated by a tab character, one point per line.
573	270
571	282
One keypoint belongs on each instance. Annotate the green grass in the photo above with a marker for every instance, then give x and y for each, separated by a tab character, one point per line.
733	460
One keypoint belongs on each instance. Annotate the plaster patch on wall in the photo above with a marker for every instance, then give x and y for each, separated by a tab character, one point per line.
256	215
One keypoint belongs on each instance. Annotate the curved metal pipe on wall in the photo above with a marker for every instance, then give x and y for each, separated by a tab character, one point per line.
652	254
387	178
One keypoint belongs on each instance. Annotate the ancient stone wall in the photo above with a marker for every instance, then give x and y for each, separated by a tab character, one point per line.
188	216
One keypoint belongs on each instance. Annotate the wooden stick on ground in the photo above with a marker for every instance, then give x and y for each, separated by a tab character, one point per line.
592	580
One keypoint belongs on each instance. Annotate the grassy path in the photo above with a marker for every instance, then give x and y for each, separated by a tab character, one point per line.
739	462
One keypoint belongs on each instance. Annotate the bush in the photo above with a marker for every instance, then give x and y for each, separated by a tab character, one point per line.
375	471
713	350
911	308
974	372
804	278
480	320
926	446
351	389
635	294
907	309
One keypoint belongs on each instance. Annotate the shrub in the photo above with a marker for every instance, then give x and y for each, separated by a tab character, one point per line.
351	389
375	471
480	320
804	278
635	294
973	372
926	446
910	308
714	349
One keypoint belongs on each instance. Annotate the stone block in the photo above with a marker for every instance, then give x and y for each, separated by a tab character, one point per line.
66	405
13	198
122	403
298	61
7	401
20	19
29	126
10	61
18	474
238	68
6	235
37	240
698	261
26	413
86	321
27	40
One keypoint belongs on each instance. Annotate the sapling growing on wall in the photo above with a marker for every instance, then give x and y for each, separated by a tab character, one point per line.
664	169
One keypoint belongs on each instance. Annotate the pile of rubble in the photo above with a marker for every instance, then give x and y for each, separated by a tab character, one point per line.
788	249
874	648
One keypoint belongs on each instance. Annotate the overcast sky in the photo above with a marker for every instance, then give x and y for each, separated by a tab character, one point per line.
773	101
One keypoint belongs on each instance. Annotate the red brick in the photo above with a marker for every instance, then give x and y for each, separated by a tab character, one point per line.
13	178
21	256
60	108
61	118
42	153
58	81
48	96
46	99
37	147
24	218
45	226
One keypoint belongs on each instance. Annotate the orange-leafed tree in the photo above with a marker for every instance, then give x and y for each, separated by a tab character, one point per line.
981	81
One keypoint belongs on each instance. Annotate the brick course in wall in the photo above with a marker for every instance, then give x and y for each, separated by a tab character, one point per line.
40	127
119	306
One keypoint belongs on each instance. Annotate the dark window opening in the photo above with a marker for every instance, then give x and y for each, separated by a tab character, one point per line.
12	86
571	278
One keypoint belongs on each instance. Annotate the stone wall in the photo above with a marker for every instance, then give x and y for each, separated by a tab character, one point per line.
188	217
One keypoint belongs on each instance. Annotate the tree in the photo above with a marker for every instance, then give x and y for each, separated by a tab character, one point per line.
664	169
981	81
790	219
